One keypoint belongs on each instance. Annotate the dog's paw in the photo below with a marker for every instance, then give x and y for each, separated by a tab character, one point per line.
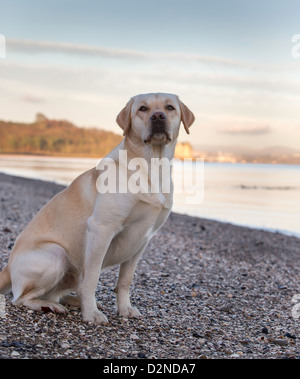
54	307
129	312
95	317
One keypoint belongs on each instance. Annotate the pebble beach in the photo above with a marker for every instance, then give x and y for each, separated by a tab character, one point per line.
205	289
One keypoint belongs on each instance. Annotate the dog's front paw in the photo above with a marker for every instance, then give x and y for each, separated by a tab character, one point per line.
95	316
129	312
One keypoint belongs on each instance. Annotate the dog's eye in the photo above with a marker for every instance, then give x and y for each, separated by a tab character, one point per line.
143	108
170	107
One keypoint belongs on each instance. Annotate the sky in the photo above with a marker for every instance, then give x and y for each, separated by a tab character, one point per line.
229	61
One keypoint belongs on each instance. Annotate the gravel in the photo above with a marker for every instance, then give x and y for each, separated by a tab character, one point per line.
205	289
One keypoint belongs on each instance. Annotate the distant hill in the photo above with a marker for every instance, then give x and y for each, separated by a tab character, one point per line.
243	154
55	137
46	136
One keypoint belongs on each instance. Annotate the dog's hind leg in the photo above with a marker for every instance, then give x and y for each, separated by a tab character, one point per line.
5	281
44	305
36	278
72	300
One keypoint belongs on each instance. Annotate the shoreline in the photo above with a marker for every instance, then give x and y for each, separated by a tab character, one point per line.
53	155
266	229
206	289
30	155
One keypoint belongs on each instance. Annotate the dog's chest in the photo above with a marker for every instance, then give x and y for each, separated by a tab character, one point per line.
135	234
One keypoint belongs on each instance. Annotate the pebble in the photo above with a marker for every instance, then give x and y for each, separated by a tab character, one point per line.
135	338
64	345
14	353
290	336
278	341
224	304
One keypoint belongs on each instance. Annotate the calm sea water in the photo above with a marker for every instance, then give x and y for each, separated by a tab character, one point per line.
261	196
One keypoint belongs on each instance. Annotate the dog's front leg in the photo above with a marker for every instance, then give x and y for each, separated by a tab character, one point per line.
98	239
126	274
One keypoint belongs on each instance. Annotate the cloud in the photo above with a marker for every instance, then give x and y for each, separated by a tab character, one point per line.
253	130
168	68
32	99
37	47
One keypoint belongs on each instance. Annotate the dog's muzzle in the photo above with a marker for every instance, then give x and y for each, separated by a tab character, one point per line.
158	128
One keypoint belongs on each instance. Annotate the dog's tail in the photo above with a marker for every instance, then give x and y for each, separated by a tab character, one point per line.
5	281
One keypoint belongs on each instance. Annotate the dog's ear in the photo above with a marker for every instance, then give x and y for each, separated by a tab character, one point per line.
187	116
124	117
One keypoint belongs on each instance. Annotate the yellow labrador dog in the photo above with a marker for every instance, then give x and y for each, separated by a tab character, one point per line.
84	229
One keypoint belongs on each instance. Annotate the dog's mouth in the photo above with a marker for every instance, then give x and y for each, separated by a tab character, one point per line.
158	133
158	137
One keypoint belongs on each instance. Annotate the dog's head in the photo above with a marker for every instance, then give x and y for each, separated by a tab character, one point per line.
155	118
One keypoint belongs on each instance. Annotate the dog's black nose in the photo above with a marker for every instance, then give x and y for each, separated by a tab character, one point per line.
158	116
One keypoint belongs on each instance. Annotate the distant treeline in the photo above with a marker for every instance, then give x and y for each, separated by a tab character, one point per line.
55	137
